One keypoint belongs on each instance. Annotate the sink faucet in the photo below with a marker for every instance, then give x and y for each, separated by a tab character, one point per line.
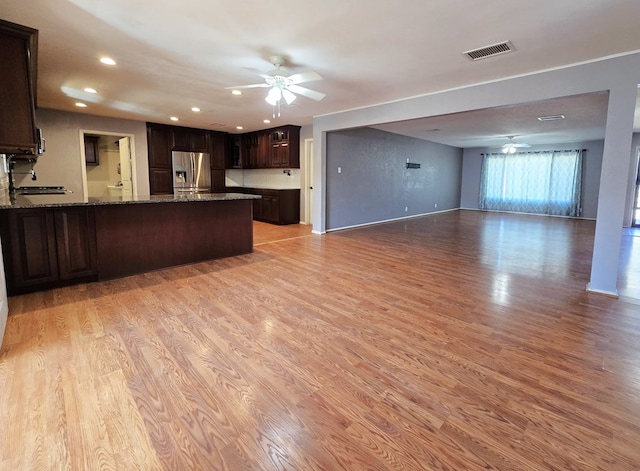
10	163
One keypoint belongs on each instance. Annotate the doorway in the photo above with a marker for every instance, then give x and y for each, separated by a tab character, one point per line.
108	165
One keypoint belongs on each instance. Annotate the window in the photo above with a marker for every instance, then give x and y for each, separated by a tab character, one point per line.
532	182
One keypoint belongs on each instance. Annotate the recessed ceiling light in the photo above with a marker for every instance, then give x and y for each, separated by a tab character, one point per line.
551	117
107	61
266	121
81	105
239	128
195	109
173	118
90	90
236	92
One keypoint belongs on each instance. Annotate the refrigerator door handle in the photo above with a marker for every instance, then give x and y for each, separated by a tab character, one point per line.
193	169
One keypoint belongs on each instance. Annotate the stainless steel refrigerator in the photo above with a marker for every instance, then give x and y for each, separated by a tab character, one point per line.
191	172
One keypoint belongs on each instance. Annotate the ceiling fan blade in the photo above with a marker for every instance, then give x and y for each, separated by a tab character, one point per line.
521	145
305	77
255	85
314	95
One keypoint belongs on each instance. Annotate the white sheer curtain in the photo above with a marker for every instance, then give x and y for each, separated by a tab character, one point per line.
532	182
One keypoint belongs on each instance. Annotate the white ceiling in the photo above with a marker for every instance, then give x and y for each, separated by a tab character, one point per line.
175	55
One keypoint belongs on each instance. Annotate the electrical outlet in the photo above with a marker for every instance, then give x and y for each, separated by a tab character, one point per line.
339	169
436	205
406	208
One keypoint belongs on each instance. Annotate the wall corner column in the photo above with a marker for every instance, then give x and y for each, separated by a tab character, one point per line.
319	180
613	189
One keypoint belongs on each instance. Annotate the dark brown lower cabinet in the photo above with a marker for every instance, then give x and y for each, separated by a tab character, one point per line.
160	181
76	243
275	206
45	247
48	247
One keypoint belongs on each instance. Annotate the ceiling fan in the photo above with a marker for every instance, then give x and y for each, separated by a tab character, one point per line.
282	86
511	147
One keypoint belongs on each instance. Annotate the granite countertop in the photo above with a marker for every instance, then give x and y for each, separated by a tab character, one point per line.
31	201
263	187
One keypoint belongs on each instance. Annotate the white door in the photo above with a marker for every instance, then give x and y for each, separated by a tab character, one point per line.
125	168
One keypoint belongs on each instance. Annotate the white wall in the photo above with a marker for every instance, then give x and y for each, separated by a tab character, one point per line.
275	178
62	163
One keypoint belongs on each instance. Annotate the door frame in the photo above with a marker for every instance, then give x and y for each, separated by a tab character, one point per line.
308	181
636	183
83	158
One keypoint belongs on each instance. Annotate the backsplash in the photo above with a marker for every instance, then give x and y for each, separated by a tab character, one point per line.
276	178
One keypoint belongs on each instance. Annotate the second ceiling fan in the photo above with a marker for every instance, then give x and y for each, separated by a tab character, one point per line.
511	147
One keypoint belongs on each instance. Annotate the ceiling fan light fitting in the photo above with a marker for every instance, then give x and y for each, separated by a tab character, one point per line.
274	96
288	96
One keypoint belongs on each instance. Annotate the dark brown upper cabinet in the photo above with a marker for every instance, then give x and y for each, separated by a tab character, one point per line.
191	140
284	150
270	148
91	153
162	139
19	57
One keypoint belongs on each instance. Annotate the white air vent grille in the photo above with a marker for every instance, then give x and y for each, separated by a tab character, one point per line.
490	51
551	117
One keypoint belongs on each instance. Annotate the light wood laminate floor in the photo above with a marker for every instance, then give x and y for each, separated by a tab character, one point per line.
461	340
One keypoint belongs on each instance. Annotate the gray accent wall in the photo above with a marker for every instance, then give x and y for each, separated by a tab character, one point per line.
591	166
374	184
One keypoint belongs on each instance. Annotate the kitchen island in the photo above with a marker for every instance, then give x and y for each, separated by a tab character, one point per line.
55	240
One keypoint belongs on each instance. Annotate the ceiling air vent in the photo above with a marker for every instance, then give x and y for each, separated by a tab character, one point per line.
552	117
490	51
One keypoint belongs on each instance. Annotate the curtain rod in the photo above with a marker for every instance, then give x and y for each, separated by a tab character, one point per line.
537	151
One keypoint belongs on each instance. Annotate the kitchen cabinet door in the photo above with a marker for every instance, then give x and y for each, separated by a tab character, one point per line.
75	243
91	150
264	150
18	56
218	182
250	158
31	248
48	247
218	150
235	155
189	140
180	139
160	181
270	208
159	147
285	147
199	141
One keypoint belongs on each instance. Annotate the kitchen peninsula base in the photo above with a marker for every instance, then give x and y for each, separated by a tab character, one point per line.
44	243
139	238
